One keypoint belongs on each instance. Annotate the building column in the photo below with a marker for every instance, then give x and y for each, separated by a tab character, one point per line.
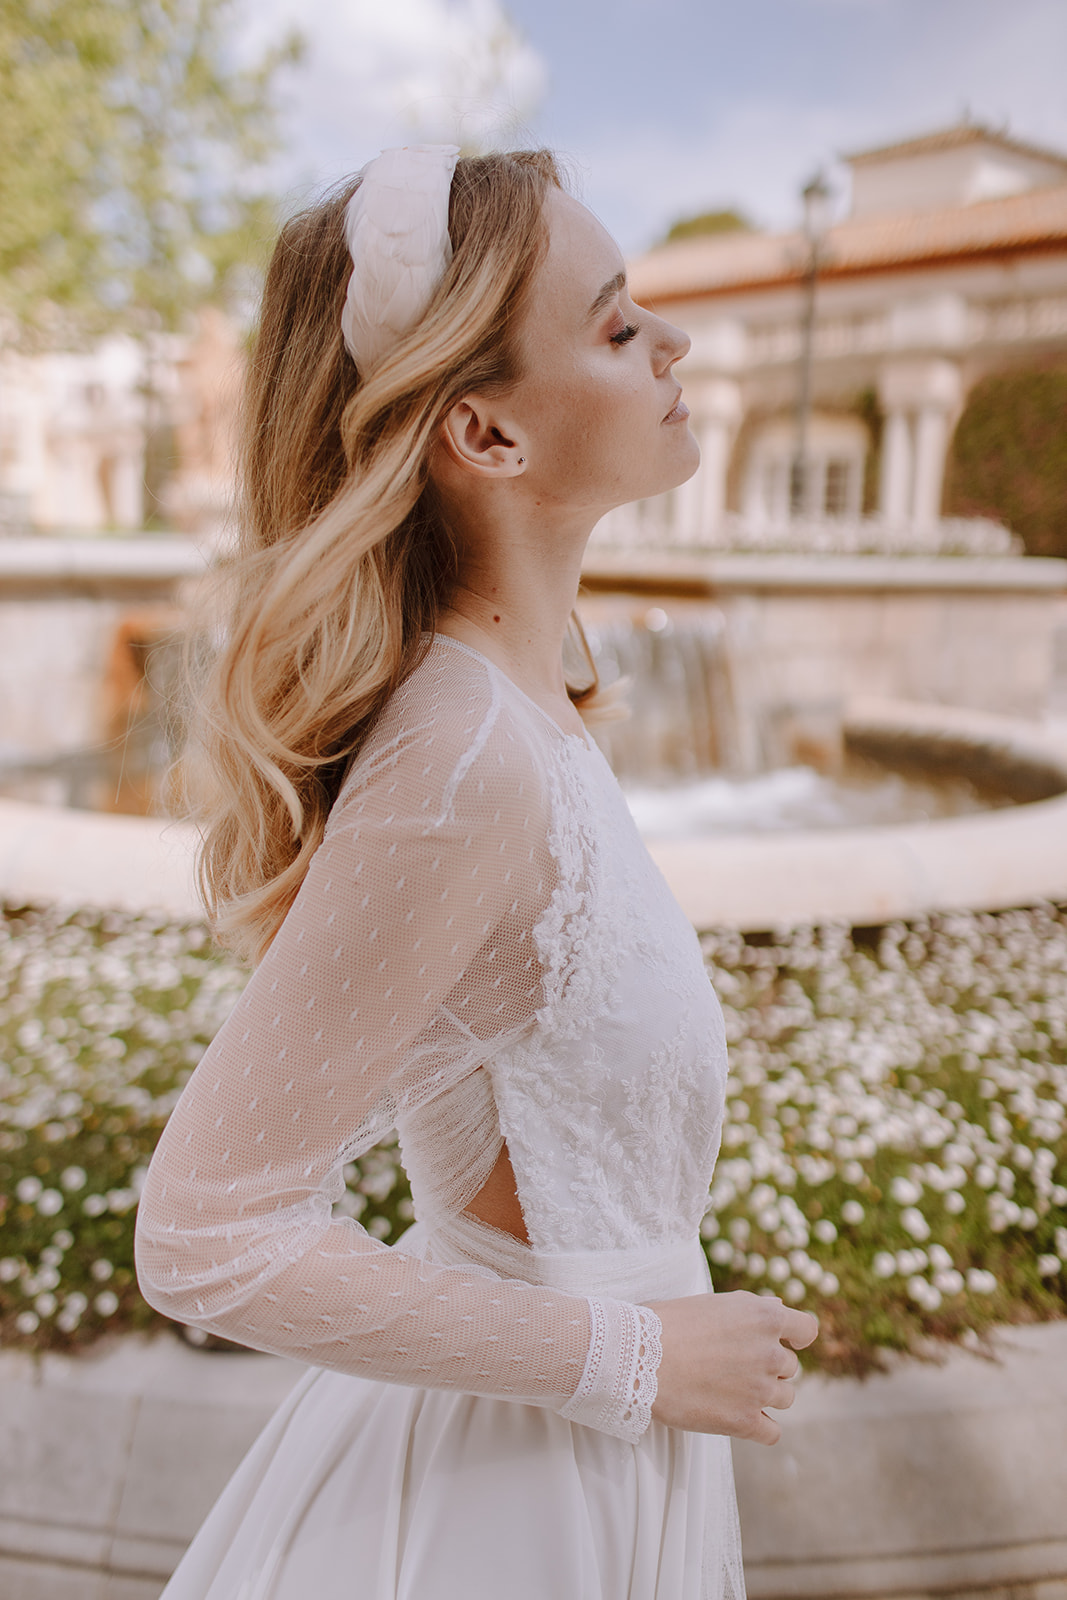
896	475
701	503
920	396
931	443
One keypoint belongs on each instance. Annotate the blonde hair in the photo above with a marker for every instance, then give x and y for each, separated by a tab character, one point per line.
343	559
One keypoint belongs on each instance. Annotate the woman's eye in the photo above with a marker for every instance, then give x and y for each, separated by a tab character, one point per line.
626	334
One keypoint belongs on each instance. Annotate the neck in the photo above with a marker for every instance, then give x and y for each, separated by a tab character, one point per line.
514	595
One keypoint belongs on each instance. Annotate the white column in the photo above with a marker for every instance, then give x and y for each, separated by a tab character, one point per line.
896	480
931	442
700	503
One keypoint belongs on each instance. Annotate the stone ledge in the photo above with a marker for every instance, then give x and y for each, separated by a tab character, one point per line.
930	1479
985	862
709	573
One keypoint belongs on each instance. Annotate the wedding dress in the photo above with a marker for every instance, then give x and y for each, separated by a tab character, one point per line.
482	953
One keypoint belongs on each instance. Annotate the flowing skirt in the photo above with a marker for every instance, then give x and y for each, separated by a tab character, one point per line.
360	1490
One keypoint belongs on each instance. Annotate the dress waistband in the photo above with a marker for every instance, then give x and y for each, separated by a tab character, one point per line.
660	1271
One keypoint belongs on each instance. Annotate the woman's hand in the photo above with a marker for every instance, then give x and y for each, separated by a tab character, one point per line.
726	1357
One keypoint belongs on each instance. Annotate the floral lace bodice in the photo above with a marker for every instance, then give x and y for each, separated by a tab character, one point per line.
482	953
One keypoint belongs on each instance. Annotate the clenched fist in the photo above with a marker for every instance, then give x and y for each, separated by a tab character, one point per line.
725	1358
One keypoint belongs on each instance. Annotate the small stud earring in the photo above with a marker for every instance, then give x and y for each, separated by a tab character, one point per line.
521	460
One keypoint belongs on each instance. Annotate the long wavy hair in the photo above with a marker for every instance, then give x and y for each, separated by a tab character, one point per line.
343	559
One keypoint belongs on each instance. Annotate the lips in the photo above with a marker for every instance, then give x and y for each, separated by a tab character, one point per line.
680	411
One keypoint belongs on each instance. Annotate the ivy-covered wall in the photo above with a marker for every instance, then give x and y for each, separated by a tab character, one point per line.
1008	458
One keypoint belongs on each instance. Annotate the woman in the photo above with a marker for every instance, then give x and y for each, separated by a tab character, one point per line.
461	936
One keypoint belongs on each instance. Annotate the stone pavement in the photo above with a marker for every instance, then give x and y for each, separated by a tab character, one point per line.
935	1479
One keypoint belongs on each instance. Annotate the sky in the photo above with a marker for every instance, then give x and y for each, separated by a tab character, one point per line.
663	108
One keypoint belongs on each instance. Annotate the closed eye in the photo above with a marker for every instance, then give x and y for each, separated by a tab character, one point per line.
631	330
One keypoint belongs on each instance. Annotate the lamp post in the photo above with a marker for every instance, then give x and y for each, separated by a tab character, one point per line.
817	196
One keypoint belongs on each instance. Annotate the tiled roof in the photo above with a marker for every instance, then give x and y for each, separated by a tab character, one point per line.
722	263
963	133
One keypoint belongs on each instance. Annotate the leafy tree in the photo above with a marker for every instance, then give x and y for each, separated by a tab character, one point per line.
131	160
1009	457
707	222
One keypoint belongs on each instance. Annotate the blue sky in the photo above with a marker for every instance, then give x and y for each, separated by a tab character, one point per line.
666	107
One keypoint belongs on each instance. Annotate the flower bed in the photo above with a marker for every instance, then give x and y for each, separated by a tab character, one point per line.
894	1158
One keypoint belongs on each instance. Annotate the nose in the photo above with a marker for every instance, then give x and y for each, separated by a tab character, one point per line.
675	342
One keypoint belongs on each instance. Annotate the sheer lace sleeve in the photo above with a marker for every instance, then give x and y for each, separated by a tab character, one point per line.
406	959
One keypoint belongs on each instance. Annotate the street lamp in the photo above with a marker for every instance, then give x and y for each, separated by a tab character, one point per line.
818	198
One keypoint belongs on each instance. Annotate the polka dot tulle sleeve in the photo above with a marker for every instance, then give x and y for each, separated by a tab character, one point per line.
406	963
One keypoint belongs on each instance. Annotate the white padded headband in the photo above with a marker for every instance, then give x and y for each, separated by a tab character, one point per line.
396	226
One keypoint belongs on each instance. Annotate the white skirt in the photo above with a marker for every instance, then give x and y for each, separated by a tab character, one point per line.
360	1490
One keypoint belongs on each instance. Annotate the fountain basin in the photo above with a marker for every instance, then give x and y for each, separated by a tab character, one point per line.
865	876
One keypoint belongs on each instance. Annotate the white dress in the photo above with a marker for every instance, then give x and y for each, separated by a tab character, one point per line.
482	951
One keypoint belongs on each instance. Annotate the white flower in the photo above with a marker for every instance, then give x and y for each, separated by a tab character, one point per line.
778	1269
904	1192
709	1228
852	1213
939	1257
829	1283
9	1269
76	1303
949	1281
47	1278
50	1203
825	1231
45	1304
954	1203
73	1178
913	1222
756	1265
721	1252
981	1282
27	1190
884	1265
27	1322
106	1304
62	1239
1048	1266
101	1271
794	1291
94	1205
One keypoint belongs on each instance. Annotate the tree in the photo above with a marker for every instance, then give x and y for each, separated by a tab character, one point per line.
131	154
1009	457
707	222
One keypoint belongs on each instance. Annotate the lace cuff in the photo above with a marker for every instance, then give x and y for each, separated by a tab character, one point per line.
618	1387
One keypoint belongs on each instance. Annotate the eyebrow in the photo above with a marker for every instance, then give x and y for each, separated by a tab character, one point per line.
609	289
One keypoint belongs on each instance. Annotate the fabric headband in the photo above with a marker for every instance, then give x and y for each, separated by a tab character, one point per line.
396	228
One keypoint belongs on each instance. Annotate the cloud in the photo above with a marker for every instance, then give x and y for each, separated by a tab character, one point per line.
381	72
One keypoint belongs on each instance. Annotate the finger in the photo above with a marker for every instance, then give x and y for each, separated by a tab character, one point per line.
799	1329
789	1363
765	1430
785	1396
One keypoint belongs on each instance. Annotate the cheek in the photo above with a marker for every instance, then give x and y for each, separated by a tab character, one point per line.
590	415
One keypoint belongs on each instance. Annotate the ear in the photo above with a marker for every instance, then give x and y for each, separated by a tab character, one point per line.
477	438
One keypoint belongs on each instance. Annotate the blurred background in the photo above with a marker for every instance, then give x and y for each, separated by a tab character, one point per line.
847	645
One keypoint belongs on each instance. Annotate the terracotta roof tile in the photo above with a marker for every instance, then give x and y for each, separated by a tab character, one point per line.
963	133
721	263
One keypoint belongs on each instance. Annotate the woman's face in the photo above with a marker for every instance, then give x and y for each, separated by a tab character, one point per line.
598	409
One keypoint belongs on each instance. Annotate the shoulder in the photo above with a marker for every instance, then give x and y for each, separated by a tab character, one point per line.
451	737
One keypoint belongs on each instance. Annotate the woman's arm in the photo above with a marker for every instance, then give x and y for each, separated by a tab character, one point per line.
406	957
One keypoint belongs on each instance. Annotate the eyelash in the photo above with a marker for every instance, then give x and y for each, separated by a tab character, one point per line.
631	330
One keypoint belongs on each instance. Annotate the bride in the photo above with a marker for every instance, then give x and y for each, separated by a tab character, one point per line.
459	934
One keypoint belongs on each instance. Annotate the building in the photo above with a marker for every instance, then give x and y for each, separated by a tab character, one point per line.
952	264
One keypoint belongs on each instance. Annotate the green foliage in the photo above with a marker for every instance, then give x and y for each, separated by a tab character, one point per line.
894	1154
707	223
1009	457
130	160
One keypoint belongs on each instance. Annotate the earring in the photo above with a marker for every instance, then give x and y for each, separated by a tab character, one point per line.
521	460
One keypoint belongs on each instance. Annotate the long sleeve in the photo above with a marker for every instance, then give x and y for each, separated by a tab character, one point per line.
406	960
